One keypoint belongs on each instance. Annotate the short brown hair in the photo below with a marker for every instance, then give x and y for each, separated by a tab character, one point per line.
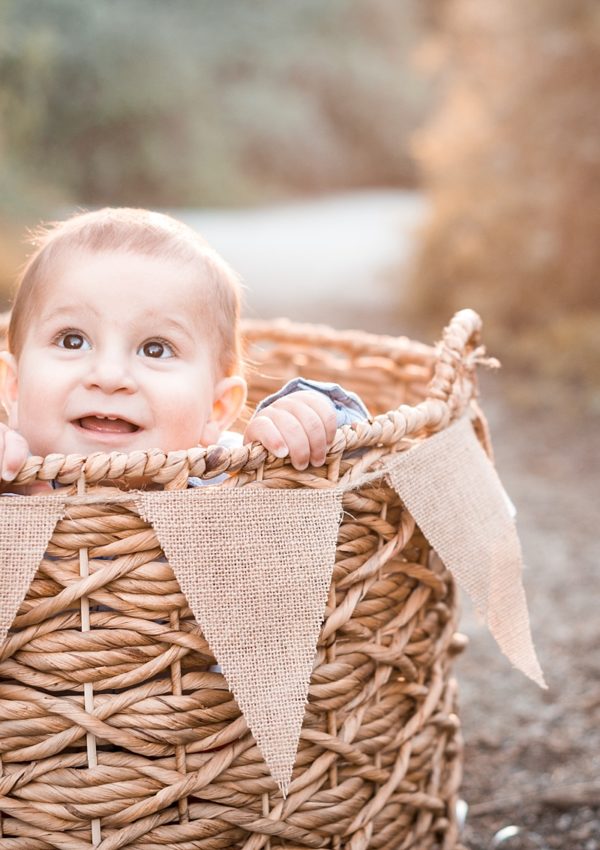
134	231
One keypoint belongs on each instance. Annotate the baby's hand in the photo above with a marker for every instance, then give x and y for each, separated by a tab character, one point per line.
301	424
14	451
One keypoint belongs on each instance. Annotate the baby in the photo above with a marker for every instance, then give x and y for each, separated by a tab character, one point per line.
124	335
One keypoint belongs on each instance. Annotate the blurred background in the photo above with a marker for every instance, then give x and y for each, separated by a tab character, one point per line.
357	161
376	164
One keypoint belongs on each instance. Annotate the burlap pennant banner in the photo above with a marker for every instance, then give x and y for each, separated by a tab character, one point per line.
453	492
25	529
255	566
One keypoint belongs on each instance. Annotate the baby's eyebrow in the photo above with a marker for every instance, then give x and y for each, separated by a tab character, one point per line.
160	323
173	323
67	311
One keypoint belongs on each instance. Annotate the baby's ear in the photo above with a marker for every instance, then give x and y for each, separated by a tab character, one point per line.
9	385
228	401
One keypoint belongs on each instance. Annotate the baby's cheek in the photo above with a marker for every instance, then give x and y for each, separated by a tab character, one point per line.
38	421
41	437
182	422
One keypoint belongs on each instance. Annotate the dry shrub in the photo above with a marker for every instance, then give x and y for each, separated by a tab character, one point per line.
512	165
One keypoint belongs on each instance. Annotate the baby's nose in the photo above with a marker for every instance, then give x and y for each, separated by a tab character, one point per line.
110	374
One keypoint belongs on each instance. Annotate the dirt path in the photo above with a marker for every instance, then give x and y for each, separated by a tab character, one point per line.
324	260
532	756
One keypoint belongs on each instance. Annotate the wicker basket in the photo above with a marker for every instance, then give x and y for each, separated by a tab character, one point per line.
378	764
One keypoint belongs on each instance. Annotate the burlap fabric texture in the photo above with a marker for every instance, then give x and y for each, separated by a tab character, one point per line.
115	733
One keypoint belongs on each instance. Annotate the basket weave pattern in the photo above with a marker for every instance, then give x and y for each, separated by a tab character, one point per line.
113	730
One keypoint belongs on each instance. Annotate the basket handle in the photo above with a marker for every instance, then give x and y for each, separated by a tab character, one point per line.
458	353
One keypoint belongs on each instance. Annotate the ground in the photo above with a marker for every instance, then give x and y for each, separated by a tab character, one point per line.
532	757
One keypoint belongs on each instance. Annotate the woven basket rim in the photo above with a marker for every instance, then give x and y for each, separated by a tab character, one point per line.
454	359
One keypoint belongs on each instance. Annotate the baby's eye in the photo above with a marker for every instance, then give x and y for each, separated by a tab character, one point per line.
156	348
73	341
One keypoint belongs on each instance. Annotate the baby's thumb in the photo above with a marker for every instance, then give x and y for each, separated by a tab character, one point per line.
16	452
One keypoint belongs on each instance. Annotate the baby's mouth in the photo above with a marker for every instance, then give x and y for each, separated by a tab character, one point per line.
107	425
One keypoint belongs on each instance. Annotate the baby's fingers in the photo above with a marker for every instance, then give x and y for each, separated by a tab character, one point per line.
322	406
14	455
263	430
293	434
301	417
304	432
283	435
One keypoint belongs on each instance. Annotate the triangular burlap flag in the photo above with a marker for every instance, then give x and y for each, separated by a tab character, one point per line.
26	526
453	492
255	566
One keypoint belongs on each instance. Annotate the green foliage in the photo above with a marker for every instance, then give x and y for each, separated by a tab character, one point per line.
197	102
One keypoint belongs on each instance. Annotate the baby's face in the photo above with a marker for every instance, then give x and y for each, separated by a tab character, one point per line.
118	356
